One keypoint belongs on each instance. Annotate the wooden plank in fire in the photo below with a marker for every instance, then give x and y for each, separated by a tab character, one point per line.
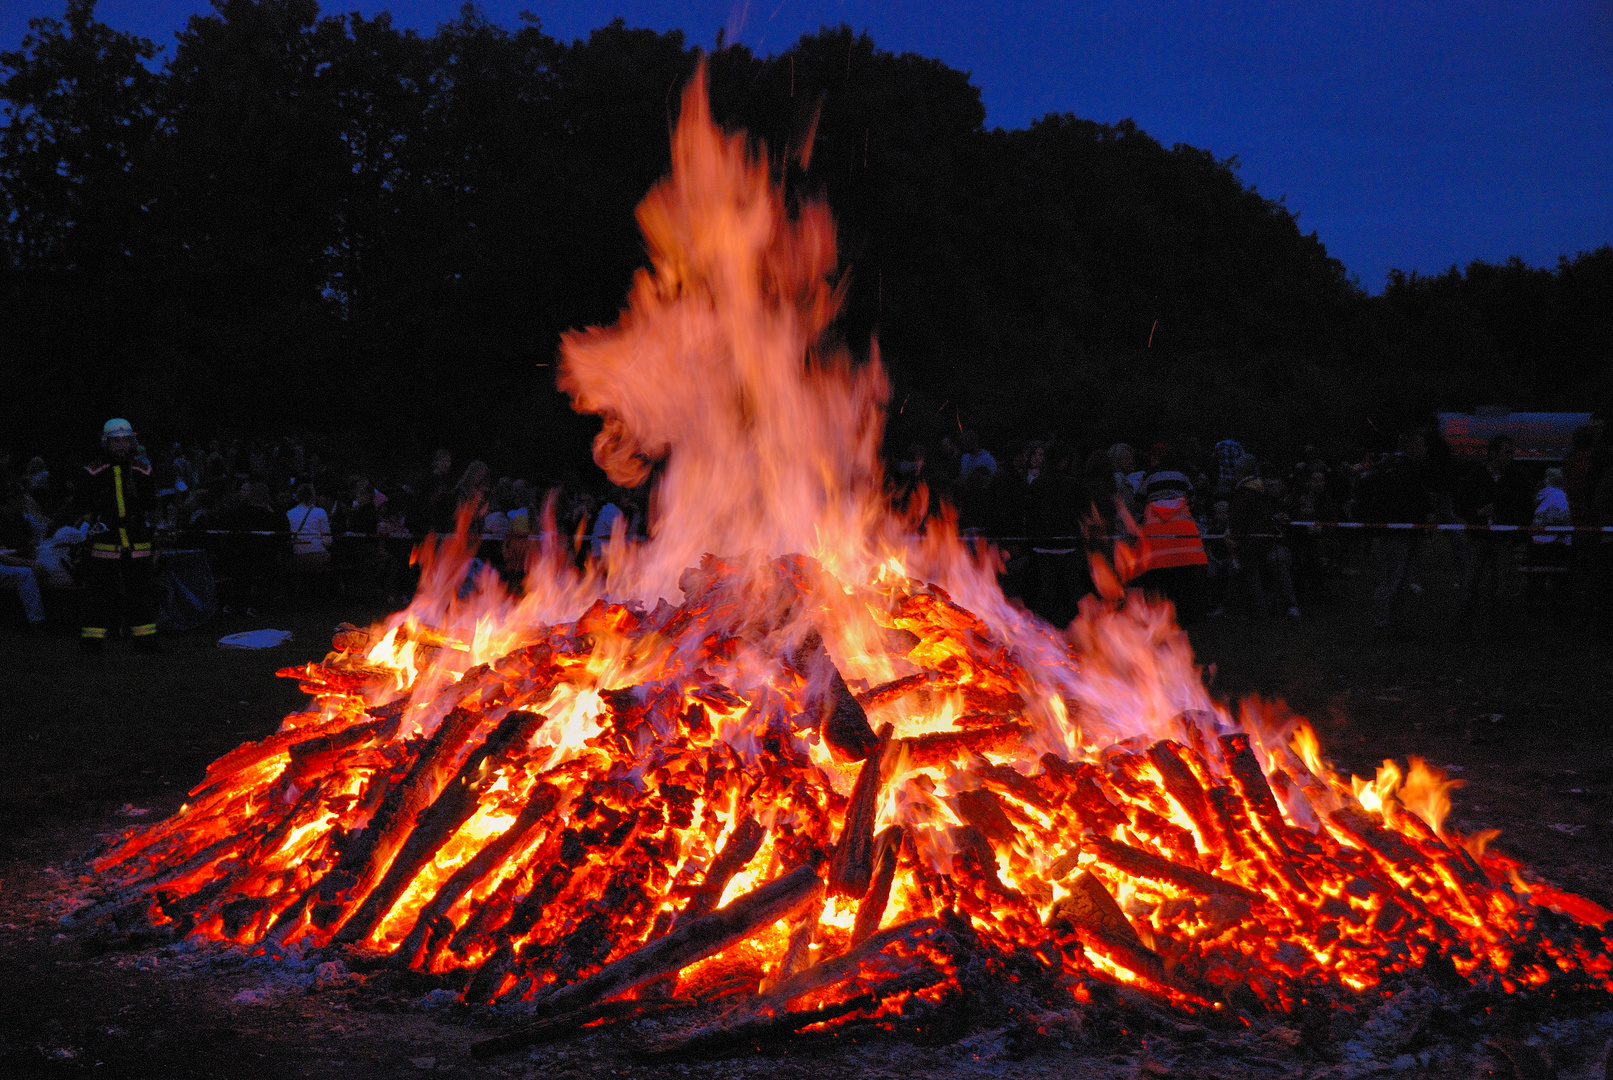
1089	904
1150	867
691	942
424	938
939	747
851	866
453	806
887	849
894	690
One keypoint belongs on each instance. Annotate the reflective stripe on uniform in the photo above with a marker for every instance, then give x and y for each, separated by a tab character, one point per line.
123	511
143	630
93	632
1169	536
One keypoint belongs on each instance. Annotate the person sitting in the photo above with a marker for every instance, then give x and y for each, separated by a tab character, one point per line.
310	531
55	557
1551	552
1551	509
17	548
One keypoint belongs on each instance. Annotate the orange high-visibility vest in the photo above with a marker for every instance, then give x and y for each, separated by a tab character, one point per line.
1170	537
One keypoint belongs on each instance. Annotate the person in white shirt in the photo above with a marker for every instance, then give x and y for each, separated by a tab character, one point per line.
54	556
310	529
1551	508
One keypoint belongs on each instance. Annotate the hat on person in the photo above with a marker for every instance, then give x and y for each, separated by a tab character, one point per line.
1554	477
116	427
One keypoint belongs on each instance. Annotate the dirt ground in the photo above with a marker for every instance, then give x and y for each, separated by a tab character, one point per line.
93	746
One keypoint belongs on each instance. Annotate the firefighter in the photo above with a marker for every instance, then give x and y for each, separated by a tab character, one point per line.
1171	551
119	499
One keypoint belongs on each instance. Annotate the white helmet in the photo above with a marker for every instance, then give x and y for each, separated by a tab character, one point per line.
113	428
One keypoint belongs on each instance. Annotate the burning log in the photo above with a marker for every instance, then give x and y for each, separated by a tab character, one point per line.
361	866
804	925
843	966
843	723
851	866
1089	904
1081	785
982	809
759	1030
887	848
742	845
452	808
1183	785
539	805
693	941
769	1017
1150	867
1091	912
1251	781
1396	852
939	747
888	692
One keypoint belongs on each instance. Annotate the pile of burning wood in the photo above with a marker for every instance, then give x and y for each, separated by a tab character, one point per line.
546	831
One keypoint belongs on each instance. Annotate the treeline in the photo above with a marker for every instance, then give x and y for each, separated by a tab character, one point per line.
292	221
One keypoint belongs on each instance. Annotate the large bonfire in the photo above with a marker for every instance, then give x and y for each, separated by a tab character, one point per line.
814	768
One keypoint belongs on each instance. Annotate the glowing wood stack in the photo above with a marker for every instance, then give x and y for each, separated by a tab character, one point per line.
470	833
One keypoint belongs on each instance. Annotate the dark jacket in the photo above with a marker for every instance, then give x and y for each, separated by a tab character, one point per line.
1252	518
1512	494
1397	493
119	496
1053	509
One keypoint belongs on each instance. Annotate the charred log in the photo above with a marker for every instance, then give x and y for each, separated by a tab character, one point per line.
1150	867
458	800
851	867
693	941
887	849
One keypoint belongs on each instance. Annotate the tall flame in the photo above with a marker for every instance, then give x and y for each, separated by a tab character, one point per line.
720	368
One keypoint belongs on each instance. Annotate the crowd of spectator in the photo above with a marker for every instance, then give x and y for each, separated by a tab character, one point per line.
278	519
1051	502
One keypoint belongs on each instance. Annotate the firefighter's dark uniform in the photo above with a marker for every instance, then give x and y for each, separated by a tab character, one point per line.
120	496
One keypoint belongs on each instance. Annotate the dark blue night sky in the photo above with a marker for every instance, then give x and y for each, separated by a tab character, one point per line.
1413	135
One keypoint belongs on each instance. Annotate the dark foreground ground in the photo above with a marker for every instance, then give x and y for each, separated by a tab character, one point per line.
91	747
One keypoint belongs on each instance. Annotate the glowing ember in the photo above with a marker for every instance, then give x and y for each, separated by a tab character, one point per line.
839	741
